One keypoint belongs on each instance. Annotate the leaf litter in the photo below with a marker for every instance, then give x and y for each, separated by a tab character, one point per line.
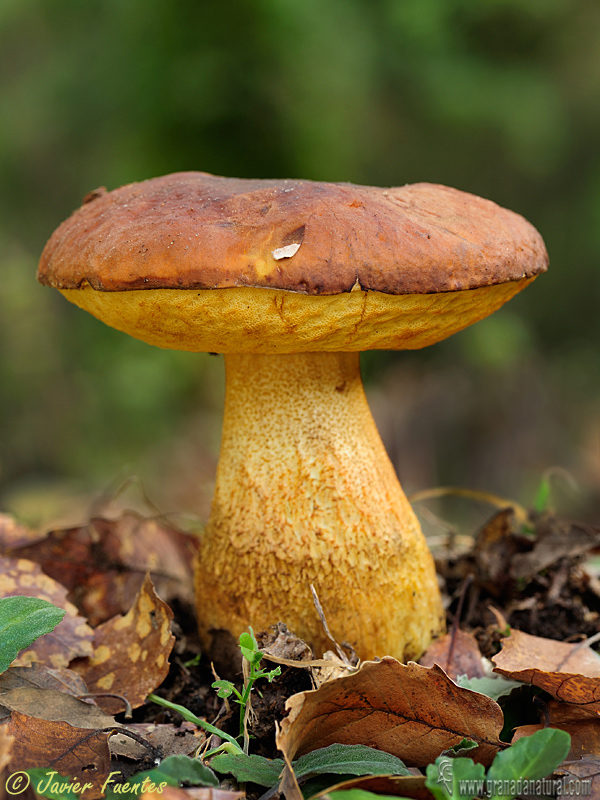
120	581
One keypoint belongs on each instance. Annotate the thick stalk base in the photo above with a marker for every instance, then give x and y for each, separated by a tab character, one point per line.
306	494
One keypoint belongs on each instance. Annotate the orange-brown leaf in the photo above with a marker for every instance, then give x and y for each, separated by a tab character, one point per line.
131	652
411	711
104	562
582	726
457	653
80	753
569	672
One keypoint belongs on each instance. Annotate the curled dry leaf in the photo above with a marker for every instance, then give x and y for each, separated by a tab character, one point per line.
555	539
329	668
569	672
71	638
580	724
495	547
80	753
280	642
411	711
131	652
104	562
457	653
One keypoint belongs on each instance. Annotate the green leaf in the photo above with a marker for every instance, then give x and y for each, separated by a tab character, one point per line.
531	758
271	675
359	794
348	759
249	646
489	686
462	747
337	759
176	771
22	621
447	776
46	782
249	768
224	688
541	501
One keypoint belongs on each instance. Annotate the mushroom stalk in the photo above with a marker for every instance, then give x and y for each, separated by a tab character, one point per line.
306	494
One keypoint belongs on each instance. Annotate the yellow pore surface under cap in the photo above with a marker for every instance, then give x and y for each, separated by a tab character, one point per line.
256	320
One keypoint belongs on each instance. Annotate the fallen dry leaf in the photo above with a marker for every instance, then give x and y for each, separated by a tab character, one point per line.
131	652
53	706
411	711
82	754
71	638
457	653
495	547
586	769
13	534
282	643
170	740
104	562
569	672
582	726
555	539
43	677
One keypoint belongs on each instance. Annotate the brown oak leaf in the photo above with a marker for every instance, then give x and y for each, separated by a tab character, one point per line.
569	672
457	653
80	753
580	724
131	652
103	563
411	711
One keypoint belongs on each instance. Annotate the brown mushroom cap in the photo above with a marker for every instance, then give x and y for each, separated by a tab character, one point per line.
279	266
192	230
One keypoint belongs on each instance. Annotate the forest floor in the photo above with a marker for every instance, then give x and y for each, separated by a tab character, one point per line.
84	701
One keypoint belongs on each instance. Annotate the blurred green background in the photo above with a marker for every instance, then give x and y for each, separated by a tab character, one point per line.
500	98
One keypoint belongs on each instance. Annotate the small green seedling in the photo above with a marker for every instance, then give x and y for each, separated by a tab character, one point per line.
230	743
253	657
22	621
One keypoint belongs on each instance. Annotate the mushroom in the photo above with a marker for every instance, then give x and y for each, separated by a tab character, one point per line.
290	280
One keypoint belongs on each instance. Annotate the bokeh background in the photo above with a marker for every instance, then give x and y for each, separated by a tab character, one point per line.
500	98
